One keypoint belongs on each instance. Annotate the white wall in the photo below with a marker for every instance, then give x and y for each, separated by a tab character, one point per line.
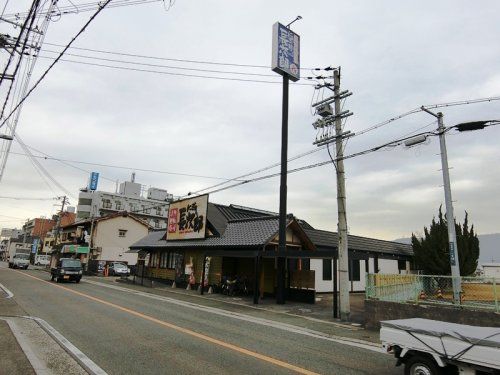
386	266
491	271
113	246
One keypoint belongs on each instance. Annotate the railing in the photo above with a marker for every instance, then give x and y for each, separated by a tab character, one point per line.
477	292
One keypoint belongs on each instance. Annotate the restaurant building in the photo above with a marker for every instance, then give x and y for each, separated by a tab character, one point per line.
217	242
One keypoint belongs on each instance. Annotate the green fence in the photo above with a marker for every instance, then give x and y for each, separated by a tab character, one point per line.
478	292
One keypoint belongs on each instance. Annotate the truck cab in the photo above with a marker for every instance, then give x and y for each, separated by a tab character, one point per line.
19	260
68	269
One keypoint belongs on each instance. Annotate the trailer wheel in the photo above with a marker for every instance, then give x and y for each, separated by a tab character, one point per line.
421	365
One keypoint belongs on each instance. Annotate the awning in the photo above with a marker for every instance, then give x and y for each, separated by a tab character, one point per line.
74	249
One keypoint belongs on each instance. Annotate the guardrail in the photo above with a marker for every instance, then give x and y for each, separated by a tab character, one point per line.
477	292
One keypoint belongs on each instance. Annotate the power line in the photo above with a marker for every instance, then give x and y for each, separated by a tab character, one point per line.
320	164
172	59
47	157
27	199
101	7
23	87
376	126
159	65
429	106
84	7
41	168
176	74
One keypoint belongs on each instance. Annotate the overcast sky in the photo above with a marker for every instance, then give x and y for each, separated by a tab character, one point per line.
394	57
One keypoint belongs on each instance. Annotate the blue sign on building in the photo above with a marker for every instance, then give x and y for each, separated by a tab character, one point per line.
34	246
286	52
94	178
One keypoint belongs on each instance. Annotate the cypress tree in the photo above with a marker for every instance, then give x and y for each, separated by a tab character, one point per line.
431	252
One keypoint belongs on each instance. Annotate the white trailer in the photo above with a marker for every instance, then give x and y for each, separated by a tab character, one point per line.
430	347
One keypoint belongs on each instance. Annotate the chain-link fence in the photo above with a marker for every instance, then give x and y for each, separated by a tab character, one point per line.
479	292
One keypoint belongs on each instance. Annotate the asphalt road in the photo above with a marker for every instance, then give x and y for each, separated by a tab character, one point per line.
126	333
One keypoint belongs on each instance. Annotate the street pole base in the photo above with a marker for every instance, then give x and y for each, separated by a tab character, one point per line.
345	316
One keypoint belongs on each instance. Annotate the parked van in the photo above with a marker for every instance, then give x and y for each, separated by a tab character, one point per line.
42	260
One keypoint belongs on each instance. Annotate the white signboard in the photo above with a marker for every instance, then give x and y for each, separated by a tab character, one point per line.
187	219
286	52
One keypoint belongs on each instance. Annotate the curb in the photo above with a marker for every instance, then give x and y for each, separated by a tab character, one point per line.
7	291
87	364
38	366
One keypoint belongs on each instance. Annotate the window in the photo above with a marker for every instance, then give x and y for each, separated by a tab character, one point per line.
354	274
164	259
157	223
327	269
84	202
402	265
122	232
118	205
158	211
173	260
106	203
306	264
154	260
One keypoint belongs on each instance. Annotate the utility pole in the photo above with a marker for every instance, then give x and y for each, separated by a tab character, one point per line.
450	217
324	137
58	224
345	307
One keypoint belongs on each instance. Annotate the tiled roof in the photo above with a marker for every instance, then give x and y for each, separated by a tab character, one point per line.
328	240
242	227
247	233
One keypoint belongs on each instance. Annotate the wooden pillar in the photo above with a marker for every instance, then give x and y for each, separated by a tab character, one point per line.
256	280
202	281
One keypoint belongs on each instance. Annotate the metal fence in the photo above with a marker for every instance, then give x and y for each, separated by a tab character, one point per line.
477	292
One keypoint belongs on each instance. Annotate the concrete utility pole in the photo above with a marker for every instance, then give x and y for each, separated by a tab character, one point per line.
324	137
58	224
345	307
450	217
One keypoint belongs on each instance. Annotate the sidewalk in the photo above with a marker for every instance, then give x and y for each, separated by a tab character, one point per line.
26	348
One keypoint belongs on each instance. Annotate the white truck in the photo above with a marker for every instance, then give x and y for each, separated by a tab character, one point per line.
431	347
19	260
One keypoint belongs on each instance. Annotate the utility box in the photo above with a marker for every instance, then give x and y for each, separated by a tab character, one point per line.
325	110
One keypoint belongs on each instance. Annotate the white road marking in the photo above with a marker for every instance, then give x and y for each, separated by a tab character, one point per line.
265	322
7	291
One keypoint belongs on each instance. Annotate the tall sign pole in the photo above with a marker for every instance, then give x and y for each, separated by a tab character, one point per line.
285	61
450	216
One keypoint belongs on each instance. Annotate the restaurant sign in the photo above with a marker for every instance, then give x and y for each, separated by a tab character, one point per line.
187	219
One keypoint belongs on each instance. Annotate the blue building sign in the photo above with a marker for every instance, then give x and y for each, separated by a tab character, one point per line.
286	52
94	178
34	246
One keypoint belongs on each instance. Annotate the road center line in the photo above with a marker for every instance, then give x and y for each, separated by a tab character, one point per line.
248	318
186	331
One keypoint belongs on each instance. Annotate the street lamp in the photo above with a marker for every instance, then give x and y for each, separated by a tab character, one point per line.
450	218
475	125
